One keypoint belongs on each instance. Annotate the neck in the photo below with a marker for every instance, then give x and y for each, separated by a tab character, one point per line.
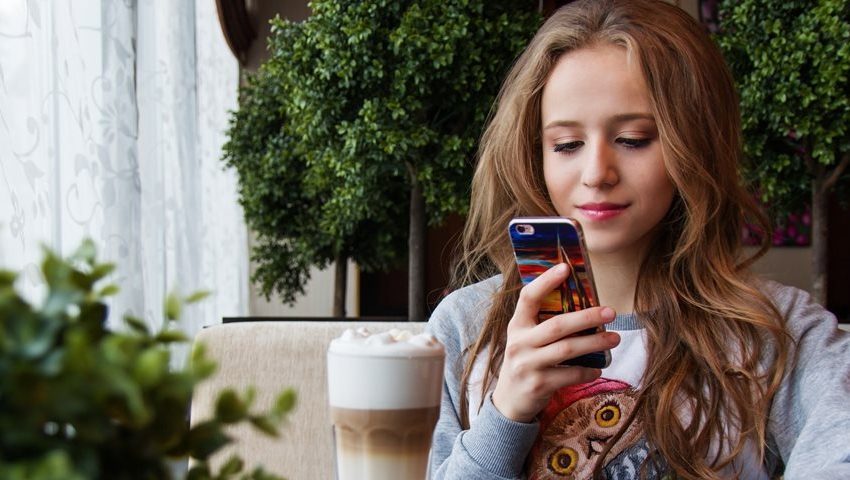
616	278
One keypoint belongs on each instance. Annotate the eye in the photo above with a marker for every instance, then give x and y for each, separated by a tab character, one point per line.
567	147
608	415
563	461
634	142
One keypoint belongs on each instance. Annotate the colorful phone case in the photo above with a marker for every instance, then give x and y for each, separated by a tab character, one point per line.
540	243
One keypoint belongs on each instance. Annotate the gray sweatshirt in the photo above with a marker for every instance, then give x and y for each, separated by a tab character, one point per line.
808	429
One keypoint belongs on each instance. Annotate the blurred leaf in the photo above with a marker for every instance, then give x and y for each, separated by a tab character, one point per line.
102	270
264	425
199	472
172	306
171	336
229	408
233	466
285	402
150	367
200	365
198	296
250	395
7	278
205	439
109	290
85	252
137	325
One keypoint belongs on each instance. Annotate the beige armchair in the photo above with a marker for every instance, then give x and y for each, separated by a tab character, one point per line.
272	356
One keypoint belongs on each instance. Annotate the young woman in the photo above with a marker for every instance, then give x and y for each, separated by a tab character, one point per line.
623	115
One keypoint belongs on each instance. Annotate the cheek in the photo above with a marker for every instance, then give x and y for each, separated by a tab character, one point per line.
664	190
558	180
548	173
654	184
659	193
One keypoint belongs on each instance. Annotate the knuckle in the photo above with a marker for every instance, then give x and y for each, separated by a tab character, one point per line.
536	384
566	350
525	295
512	350
523	369
590	318
562	326
598	314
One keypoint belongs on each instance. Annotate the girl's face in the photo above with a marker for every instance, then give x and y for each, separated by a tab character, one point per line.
602	158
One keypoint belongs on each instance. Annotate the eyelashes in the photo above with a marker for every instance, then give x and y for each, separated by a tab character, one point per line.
629	143
634	142
568	147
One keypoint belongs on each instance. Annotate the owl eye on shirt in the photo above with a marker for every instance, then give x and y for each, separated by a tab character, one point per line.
573	440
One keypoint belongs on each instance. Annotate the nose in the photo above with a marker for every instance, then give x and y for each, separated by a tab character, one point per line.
600	167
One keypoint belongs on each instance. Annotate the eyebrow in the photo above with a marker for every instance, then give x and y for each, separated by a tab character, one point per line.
623	117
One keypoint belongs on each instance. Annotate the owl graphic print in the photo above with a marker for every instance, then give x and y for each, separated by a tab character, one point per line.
576	427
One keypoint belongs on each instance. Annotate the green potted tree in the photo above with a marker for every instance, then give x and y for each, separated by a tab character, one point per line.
791	60
80	402
367	115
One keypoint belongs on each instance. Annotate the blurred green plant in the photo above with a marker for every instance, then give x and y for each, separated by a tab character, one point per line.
81	402
361	128
791	60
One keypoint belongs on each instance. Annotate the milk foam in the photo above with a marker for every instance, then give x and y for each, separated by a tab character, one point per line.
392	343
385	371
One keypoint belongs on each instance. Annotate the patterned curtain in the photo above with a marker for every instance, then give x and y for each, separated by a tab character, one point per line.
112	117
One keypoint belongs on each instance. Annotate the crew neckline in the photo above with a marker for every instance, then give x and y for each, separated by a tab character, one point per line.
625	321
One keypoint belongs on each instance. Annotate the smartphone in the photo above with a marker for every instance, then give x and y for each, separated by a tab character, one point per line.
540	243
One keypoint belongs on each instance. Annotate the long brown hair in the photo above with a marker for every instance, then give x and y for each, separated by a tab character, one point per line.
706	321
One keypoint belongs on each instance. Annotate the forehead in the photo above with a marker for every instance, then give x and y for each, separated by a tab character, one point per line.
593	81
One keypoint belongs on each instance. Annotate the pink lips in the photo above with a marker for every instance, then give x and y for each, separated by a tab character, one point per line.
601	211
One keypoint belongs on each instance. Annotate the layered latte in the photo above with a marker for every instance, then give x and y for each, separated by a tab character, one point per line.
384	392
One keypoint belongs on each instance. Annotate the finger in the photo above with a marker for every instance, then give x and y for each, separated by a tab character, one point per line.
558	377
532	295
573	347
566	324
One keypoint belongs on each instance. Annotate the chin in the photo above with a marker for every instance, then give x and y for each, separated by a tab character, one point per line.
625	248
602	249
601	244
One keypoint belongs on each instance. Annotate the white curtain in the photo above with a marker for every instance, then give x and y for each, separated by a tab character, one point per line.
112	117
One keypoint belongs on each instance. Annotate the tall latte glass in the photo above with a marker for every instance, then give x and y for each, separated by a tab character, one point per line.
384	391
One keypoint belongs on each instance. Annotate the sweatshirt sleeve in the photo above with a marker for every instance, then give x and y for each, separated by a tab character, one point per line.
495	447
810	415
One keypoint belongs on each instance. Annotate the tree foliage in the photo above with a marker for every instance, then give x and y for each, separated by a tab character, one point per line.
81	402
354	102
791	60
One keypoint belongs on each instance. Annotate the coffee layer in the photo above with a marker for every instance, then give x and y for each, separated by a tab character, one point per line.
385	432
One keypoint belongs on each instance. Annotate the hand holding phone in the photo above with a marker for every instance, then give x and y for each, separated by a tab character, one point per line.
540	243
530	372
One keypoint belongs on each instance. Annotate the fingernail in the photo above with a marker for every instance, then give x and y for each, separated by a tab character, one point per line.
562	267
612	338
608	314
